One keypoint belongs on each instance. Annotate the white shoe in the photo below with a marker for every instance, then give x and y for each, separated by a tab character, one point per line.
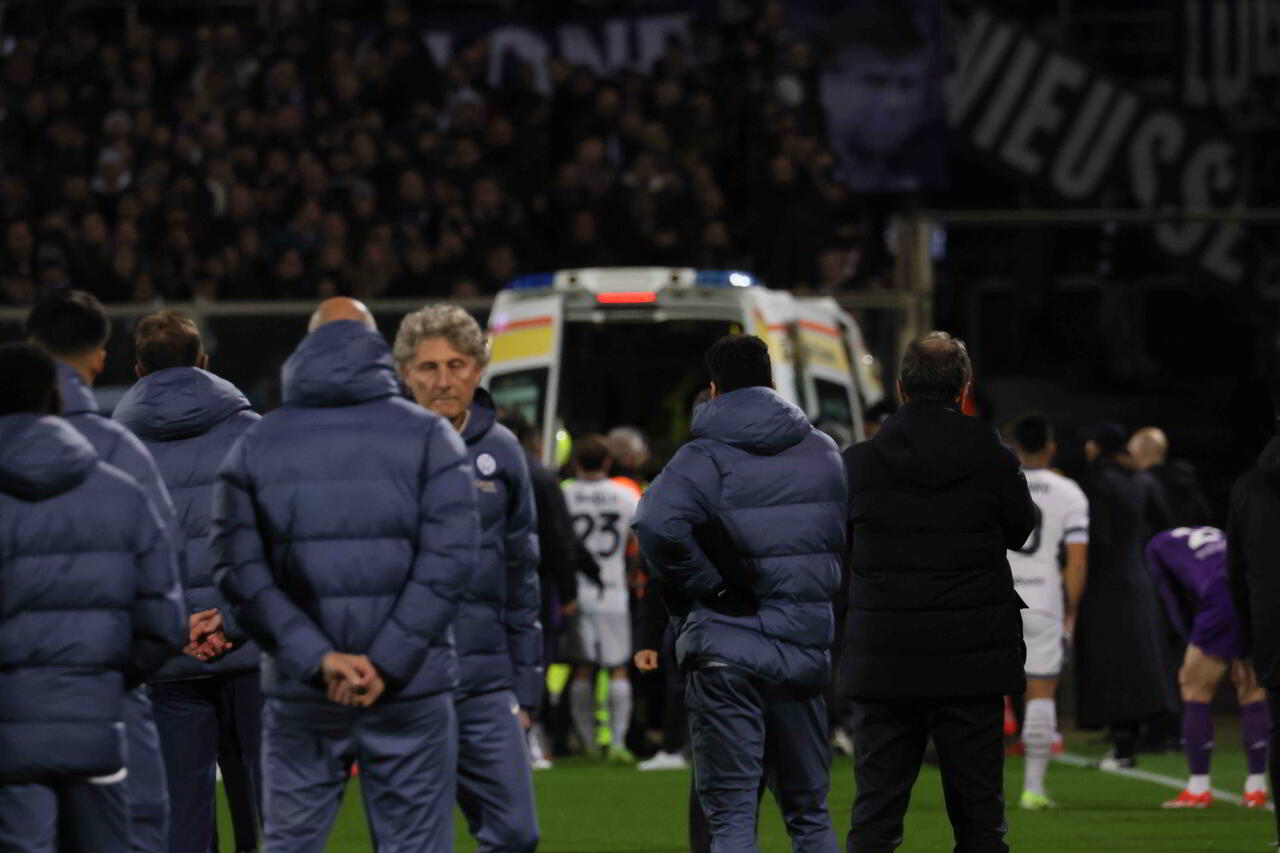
664	761
841	741
542	764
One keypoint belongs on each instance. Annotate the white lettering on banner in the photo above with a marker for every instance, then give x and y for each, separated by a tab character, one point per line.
635	42
1229	46
1041	112
1048	117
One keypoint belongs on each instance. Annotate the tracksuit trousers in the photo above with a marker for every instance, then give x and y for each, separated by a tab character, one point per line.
495	779
744	728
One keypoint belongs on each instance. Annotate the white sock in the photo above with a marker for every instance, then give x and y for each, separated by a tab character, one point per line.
582	708
536	753
619	710
1198	784
1255	782
1038	727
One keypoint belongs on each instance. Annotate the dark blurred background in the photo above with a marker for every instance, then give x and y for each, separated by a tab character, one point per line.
1085	190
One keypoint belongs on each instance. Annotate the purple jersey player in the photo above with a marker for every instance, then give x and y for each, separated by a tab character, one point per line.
1190	570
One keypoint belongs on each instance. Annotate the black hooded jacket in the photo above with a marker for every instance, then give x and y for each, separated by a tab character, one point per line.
1253	561
935	501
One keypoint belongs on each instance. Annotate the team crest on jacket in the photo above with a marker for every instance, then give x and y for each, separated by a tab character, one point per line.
486	465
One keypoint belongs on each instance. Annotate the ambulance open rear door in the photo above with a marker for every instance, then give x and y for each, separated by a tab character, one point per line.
827	371
525	334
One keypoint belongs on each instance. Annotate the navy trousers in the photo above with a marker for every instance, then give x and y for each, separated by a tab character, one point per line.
146	785
407	751
495	781
202	721
744	729
64	817
889	739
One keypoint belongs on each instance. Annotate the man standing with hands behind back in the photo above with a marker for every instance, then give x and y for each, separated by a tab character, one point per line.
933	640
344	526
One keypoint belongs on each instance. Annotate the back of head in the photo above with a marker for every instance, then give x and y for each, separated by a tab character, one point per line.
68	323
1031	433
935	367
30	381
1149	447
591	453
739	361
167	339
341	308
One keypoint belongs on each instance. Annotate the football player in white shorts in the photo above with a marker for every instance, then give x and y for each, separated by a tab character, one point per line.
599	633
1062	529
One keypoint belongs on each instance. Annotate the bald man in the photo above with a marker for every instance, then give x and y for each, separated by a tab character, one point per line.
344	526
1181	500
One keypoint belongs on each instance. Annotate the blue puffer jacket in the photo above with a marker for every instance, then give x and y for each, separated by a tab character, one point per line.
88	602
188	419
115	445
346	521
745	528
499	636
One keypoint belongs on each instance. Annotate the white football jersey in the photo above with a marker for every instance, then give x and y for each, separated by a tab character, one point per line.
602	511
1062	518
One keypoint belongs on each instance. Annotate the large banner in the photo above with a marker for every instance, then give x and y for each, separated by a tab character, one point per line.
605	45
1046	116
880	73
1231	57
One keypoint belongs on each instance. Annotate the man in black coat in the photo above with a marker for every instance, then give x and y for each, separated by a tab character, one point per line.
1253	555
933	639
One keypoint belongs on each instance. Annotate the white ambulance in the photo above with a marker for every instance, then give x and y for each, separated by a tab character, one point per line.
585	350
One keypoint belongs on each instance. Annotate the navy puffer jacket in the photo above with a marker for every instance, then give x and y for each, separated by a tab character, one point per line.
88	602
188	419
346	521
745	528
499	635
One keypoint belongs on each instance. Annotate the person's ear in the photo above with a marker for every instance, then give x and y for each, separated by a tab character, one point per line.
715	392
1052	447
203	361
98	362
138	370
902	394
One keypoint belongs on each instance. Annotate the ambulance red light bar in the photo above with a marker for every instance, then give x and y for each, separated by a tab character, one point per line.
633	297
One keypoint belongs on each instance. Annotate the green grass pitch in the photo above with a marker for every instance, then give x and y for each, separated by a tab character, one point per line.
594	808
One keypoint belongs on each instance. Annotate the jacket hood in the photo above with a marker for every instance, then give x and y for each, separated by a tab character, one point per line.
932	443
484	413
757	420
42	456
77	398
179	402
339	364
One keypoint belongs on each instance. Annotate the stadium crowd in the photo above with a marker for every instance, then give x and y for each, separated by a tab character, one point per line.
323	158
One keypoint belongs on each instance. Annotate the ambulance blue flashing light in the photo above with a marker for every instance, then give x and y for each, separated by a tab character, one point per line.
724	278
532	281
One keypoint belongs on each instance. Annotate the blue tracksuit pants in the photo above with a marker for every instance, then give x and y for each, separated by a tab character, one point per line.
495	781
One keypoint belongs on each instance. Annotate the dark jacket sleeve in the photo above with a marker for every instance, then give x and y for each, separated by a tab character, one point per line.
448	538
1018	512
555	535
159	614
1166	583
241	571
1238	563
524	631
682	499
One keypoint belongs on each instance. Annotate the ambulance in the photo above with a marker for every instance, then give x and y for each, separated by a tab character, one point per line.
585	350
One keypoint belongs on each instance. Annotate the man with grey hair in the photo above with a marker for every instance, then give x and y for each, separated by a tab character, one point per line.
441	353
933	639
344	528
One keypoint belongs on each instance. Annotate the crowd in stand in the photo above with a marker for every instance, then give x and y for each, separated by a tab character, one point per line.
329	156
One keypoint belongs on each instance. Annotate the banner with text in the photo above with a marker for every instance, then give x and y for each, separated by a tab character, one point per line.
1048	117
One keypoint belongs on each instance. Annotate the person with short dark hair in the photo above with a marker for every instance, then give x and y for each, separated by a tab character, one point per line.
344	530
72	327
599	633
207	704
1123	673
933	638
745	531
1054	559
91	610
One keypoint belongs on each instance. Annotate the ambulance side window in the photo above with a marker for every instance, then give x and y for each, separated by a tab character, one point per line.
833	402
524	391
